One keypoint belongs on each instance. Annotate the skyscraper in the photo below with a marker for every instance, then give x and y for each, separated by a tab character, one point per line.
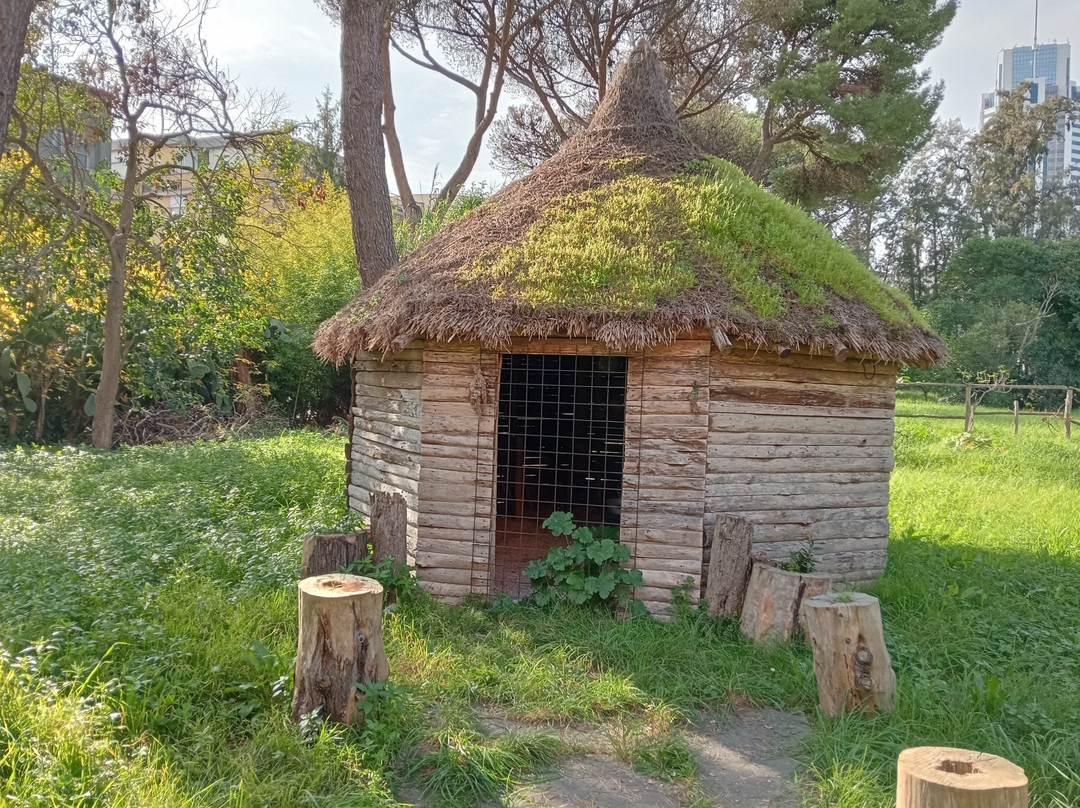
1047	68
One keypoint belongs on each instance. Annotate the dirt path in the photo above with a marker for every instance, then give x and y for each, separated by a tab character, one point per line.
741	763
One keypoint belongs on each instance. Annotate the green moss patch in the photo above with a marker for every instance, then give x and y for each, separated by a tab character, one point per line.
640	240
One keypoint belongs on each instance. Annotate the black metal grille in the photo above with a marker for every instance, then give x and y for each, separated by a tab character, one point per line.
560	448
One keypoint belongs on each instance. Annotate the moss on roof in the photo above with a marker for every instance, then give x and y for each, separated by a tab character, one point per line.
639	240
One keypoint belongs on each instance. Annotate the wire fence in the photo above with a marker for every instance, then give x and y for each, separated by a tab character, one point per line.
974	394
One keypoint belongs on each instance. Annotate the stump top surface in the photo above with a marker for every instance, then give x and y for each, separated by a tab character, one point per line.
339	585
962	769
839	599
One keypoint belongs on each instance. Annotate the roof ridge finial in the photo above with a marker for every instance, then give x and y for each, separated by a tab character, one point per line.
638	94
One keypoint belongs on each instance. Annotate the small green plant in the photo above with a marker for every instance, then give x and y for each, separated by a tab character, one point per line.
399	583
390	712
969	440
587	571
270	680
801	560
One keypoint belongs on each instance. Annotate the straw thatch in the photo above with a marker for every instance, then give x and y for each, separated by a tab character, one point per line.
474	279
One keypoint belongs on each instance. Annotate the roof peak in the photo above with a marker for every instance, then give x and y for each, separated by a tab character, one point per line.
638	94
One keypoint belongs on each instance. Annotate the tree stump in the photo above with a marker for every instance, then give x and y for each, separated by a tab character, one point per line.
729	565
774	597
340	644
940	777
388	525
324	553
851	662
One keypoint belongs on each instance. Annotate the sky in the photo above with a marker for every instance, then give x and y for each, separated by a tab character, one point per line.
290	46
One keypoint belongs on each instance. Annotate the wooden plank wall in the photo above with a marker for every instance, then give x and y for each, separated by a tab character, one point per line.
667	429
385	447
457	469
803	448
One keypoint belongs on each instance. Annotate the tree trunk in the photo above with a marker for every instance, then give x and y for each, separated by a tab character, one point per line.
774	597
43	398
325	553
410	210
112	350
388	523
362	24
940	777
340	645
729	565
14	21
851	662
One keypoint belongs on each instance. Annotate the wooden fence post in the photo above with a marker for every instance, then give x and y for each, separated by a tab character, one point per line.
1068	412
1016	416
969	411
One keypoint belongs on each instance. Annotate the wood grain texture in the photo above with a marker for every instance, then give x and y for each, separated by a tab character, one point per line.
931	776
385	451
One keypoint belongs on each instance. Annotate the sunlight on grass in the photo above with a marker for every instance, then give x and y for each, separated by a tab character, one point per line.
139	582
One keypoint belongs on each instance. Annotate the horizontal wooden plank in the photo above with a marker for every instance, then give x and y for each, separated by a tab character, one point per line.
680	537
743	423
783	549
830	373
467	466
375	480
732	450
661	578
804	360
429	560
797	488
436	427
428	518
402	438
403	412
795	464
722	477
792	411
385	382
777	502
444	575
389	366
798	439
681	566
808	516
786	394
478	439
820	531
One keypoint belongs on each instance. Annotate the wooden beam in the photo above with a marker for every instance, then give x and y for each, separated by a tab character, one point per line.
720	339
783	351
841	352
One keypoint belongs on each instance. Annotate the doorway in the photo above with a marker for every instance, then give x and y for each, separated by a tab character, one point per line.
560	437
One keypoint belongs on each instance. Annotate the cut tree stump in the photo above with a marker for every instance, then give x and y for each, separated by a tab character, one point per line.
940	777
851	662
774	597
340	644
324	553
729	565
388	525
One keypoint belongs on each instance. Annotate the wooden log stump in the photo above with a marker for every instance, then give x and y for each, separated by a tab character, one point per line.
388	526
774	597
324	553
940	777
729	565
340	644
851	662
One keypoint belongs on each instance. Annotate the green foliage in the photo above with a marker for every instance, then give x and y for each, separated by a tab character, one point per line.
408	236
399	580
638	240
801	560
1011	304
587	571
842	83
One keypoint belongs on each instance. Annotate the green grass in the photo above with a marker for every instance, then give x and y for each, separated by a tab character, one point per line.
148	623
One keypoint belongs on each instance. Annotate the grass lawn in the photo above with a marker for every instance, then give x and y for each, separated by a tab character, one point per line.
148	621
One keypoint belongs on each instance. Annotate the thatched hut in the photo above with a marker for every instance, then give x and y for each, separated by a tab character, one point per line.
640	335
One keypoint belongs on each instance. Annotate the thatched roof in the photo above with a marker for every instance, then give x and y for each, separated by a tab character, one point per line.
630	236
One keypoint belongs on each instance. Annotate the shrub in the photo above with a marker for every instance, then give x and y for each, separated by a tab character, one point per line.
587	571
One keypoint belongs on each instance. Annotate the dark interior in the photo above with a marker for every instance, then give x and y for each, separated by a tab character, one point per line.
560	448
